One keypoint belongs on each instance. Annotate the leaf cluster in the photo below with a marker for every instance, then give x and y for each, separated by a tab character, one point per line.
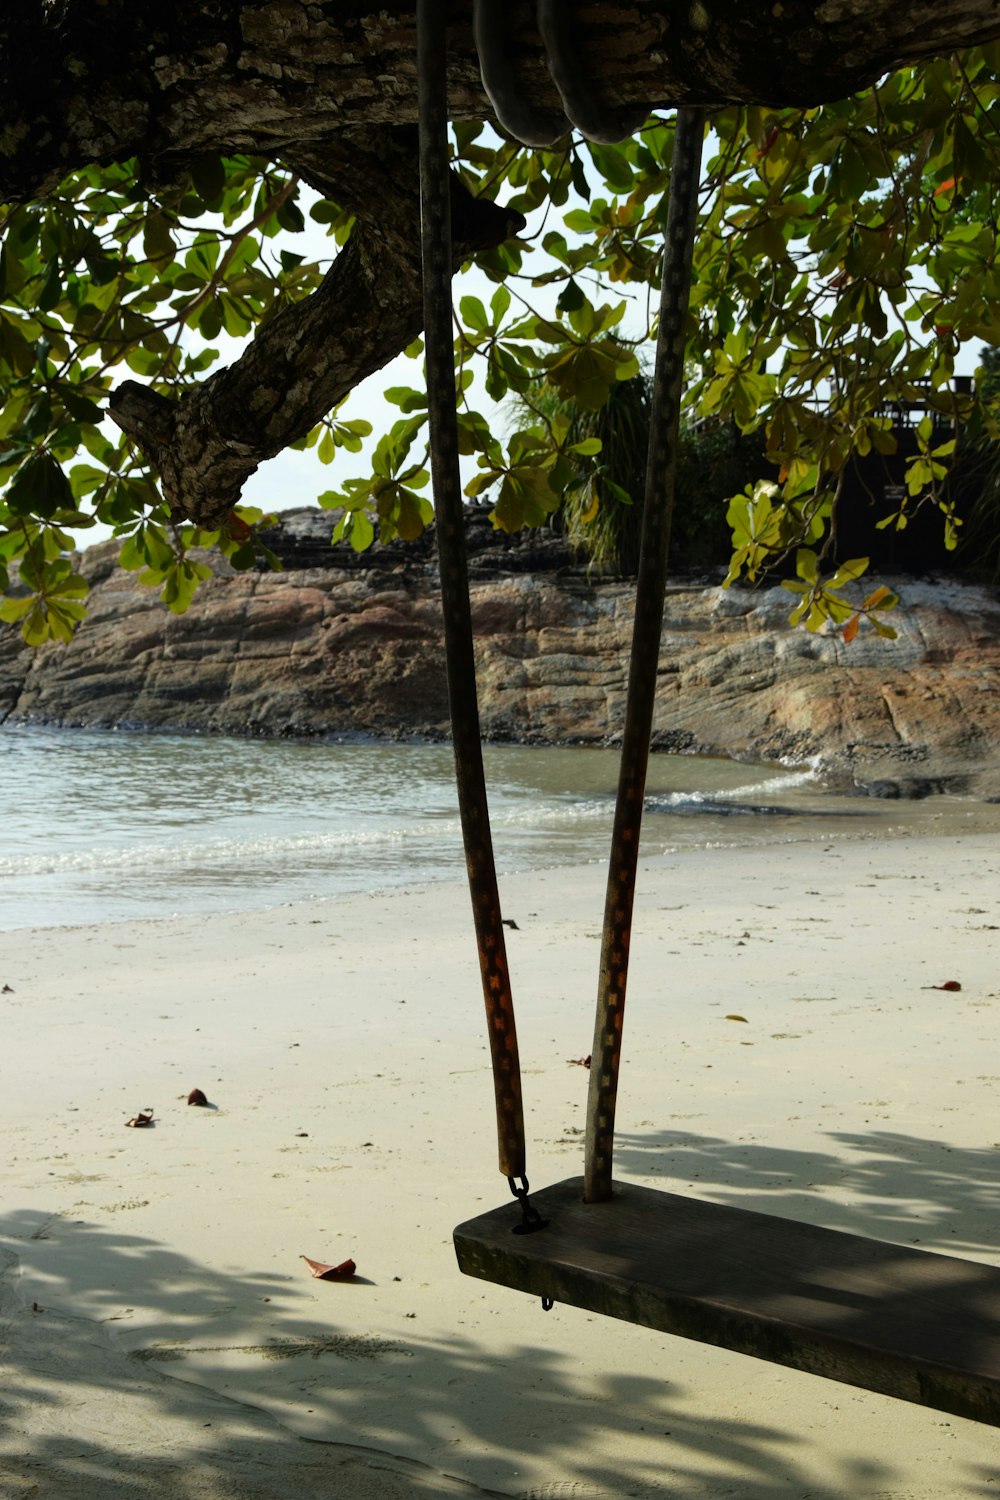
846	254
107	277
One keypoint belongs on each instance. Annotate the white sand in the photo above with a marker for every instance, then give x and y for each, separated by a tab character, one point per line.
163	1337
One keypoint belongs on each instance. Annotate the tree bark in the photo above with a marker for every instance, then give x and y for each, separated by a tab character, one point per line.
85	82
329	88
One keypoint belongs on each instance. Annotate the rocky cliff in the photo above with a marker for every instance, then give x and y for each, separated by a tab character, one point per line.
354	648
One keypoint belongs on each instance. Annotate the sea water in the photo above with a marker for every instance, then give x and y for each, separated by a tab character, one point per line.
105	826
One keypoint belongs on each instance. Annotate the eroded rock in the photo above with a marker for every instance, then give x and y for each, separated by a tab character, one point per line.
356	650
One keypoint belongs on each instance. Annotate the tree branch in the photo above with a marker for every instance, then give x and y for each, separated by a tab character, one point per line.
308	357
330	89
265	75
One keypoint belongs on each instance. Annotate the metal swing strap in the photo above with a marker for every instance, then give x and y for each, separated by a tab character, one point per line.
661	473
435	223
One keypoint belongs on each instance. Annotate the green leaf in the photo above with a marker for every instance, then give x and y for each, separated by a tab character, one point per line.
500	305
571	297
613	165
80	407
21	236
133	554
12	610
51	289
158	242
39	488
325	212
474	314
585	374
807	565
39	419
178	583
526	498
579	220
208	174
15	350
406	398
362	531
290	217
848	572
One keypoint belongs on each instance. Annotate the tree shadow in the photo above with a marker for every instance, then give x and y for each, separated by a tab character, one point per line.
74	1399
905	1188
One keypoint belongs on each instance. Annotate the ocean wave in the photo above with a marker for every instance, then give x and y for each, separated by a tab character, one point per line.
433	832
231	853
96	841
748	797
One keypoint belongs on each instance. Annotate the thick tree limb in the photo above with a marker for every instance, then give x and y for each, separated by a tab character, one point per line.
311	354
82	82
298	366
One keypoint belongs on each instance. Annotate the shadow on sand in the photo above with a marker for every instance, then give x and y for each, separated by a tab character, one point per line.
80	1417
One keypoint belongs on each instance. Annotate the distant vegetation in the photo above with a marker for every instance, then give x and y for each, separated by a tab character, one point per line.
601	509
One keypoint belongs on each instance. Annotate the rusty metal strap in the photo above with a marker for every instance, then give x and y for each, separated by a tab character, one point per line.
450	526
661	469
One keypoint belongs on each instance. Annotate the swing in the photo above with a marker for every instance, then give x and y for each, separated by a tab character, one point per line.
906	1323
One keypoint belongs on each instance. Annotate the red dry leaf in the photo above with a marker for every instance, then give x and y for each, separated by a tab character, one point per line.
197	1097
323	1272
949	984
237	527
142	1119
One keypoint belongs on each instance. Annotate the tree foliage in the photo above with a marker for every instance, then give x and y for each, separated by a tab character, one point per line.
846	254
600	510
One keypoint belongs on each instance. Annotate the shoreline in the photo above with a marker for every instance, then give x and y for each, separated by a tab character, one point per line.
181	1349
163	828
965	779
980	824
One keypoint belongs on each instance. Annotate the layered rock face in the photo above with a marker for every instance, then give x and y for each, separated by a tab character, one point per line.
354	648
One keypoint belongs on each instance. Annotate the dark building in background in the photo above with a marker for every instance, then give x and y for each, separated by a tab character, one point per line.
875	487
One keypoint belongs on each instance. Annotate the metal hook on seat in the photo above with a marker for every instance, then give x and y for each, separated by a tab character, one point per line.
531	1219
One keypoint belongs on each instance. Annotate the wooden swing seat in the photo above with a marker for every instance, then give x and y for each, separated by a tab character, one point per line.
907	1323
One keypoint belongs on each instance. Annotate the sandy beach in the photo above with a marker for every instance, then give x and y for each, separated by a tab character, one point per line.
163	1338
